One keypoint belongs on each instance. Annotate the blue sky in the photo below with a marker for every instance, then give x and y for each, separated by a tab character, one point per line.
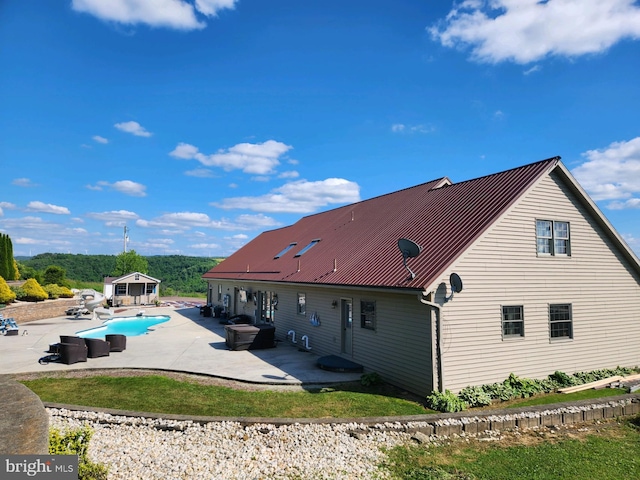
199	124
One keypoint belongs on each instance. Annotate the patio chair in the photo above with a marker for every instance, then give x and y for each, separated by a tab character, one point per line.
72	353
96	347
118	342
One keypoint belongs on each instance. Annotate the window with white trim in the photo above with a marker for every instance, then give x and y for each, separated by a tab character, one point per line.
302	303
368	314
512	321
560	321
552	238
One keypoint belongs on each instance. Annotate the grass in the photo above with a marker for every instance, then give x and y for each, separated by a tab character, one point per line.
605	451
564	397
160	394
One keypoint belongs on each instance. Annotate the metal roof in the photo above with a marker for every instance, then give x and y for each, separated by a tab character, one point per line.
358	243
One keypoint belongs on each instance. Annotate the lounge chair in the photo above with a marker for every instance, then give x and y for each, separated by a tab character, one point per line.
96	347
118	342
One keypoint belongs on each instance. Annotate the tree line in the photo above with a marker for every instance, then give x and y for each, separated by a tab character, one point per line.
178	273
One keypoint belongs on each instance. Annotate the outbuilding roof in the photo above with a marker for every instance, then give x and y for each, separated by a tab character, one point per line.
357	244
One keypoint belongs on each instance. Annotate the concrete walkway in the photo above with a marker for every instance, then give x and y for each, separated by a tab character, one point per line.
186	343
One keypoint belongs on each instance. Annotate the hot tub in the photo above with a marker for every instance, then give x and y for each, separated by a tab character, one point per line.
250	337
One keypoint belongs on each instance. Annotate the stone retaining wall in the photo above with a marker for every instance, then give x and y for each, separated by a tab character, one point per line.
445	424
24	312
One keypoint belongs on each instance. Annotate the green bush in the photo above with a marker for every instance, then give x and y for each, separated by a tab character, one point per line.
76	442
56	291
6	294
33	291
475	396
445	402
370	379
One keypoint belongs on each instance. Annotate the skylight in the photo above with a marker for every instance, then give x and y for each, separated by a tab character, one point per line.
286	249
313	242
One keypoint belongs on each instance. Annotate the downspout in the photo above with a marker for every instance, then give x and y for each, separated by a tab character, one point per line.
424	298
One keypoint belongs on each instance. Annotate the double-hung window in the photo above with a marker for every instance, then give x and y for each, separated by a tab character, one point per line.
512	321
302	303
121	289
552	238
560	321
368	315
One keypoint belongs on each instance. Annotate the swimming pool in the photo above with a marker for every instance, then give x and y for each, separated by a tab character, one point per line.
129	326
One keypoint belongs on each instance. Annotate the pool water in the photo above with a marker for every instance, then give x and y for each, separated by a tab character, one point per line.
129	326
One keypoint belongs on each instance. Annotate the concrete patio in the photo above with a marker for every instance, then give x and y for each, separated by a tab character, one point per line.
188	342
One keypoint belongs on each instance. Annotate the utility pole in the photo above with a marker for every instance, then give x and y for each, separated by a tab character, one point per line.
126	238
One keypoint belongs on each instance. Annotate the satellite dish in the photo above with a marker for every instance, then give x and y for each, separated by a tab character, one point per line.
409	249
456	282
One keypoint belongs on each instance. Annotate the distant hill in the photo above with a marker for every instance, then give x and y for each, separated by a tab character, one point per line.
177	272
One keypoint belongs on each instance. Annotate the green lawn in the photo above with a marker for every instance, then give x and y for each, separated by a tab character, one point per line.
164	395
606	452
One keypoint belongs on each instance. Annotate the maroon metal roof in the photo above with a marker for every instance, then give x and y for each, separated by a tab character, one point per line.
359	242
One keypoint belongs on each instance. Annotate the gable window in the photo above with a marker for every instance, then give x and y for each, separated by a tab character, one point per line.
512	321
302	303
368	315
121	289
285	250
560	321
308	247
552	237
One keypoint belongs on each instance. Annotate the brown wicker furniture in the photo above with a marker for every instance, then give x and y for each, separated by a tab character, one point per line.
96	347
118	342
72	353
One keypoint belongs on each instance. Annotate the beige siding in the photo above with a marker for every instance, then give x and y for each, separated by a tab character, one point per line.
502	268
399	349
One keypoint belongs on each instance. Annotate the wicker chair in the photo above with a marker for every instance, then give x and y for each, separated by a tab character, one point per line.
72	339
96	347
72	353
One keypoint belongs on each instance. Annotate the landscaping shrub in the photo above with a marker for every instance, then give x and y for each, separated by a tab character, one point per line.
475	396
76	442
6	294
56	291
33	292
370	379
445	402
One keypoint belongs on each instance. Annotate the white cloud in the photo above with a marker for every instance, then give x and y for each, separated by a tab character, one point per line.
253	158
47	208
23	182
99	139
127	187
211	8
259	221
134	128
613	173
200	173
7	205
175	14
298	197
289	174
529	71
420	128
525	31
205	246
114	218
